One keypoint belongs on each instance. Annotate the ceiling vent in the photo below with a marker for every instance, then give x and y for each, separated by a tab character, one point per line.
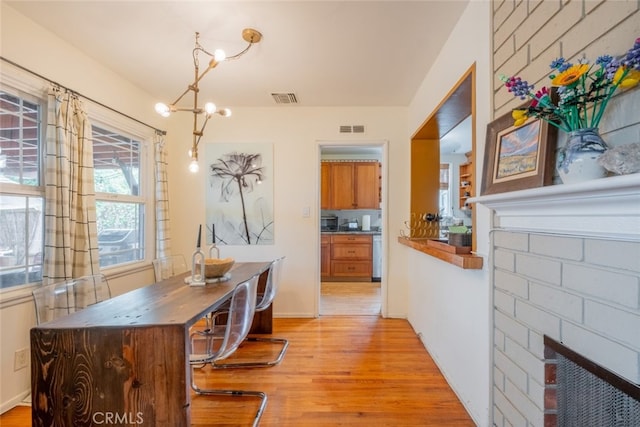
352	129
285	98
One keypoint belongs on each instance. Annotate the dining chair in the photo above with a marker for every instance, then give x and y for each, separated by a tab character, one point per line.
170	266
220	341
62	298
263	302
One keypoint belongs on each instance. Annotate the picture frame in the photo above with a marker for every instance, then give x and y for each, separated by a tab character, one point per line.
517	158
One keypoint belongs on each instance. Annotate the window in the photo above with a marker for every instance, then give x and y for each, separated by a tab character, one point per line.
120	205
21	189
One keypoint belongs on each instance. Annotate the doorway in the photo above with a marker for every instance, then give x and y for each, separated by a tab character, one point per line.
352	258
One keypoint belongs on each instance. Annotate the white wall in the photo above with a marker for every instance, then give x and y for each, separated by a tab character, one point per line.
295	133
448	306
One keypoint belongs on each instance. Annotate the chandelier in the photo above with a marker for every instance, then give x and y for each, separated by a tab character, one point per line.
251	36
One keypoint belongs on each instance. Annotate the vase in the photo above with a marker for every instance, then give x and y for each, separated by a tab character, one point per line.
578	160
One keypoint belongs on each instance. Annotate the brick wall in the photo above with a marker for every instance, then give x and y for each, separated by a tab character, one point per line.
582	291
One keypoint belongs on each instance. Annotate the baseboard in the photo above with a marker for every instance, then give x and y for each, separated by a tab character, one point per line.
19	400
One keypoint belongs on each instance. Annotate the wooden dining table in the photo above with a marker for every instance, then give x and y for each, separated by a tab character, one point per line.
125	361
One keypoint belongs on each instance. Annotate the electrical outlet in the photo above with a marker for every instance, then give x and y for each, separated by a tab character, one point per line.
21	359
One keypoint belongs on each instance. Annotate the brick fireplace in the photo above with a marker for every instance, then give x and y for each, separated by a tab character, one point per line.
565	265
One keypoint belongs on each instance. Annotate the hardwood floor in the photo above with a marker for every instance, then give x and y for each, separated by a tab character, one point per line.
350	298
339	370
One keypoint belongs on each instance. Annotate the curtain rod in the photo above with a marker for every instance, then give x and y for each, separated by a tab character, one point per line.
160	131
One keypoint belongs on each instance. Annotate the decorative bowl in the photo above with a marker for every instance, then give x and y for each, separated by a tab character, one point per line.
215	267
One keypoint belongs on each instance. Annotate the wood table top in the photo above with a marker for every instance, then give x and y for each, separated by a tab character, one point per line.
170	302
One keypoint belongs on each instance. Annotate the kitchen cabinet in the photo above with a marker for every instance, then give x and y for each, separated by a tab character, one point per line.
350	257
350	185
325	255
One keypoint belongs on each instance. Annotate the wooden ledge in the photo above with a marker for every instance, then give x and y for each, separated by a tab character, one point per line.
465	261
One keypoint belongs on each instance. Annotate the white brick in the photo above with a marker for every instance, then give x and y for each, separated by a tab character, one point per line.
539	320
504	260
538	16
602	284
498	378
508	27
556	247
510	369
511	283
613	356
517	331
510	413
498	418
555	27
504	302
557	301
594	26
514	241
618	324
498	339
529	363
536	344
513	66
545	270
503	53
624	255
536	392
525	405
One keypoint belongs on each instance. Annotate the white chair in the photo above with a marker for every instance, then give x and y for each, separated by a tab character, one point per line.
264	301
221	341
60	299
170	266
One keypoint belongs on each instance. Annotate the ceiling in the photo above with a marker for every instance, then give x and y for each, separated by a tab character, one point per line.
329	53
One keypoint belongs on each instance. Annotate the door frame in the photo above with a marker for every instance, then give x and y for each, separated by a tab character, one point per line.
383	144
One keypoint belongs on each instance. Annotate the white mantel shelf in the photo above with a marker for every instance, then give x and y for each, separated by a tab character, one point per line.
607	207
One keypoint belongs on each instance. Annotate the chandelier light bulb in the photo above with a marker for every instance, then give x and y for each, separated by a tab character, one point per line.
210	107
193	166
219	55
225	112
163	109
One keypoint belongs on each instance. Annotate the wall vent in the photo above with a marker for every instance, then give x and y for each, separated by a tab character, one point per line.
351	128
285	98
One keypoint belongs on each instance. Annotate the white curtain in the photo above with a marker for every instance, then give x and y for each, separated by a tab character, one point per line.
71	237
163	235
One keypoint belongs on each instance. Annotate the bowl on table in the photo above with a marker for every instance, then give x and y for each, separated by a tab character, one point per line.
216	267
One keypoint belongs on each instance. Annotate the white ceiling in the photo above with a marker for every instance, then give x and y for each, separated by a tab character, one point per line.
329	53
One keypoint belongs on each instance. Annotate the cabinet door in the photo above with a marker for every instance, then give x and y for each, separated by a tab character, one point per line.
342	195
325	185
367	191
325	257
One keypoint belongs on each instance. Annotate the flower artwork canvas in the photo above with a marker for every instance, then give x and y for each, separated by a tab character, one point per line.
239	194
517	152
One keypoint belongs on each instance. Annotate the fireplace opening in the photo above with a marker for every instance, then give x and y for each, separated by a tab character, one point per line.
581	393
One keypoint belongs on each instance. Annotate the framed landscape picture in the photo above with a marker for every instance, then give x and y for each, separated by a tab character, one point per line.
520	157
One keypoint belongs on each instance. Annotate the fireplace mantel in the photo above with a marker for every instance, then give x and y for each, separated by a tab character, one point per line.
607	207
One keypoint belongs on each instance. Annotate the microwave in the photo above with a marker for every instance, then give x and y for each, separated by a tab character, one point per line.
328	223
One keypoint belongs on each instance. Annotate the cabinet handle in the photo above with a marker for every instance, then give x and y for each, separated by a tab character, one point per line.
351	252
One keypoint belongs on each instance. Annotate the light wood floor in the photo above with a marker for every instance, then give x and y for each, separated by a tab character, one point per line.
349	298
339	370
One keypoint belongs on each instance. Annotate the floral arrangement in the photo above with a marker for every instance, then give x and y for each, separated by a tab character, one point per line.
583	90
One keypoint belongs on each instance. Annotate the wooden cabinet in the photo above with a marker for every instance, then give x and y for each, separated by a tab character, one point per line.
350	185
350	257
466	184
325	255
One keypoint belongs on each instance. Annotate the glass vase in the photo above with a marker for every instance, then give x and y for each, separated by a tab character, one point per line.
578	160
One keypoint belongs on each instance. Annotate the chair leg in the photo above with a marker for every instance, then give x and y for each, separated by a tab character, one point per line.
283	342
238	393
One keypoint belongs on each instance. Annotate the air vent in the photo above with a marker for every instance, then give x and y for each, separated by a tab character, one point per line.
285	98
351	129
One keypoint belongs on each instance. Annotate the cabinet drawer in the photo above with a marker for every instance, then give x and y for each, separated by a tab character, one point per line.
350	269
350	251
325	239
350	238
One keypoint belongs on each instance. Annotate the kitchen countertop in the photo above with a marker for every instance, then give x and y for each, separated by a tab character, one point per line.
370	232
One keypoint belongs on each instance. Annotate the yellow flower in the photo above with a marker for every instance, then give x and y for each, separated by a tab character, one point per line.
570	75
519	117
630	80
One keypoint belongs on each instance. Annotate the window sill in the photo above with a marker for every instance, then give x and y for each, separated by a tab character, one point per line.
464	261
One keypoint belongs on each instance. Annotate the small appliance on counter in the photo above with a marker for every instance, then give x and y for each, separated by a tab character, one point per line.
328	223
